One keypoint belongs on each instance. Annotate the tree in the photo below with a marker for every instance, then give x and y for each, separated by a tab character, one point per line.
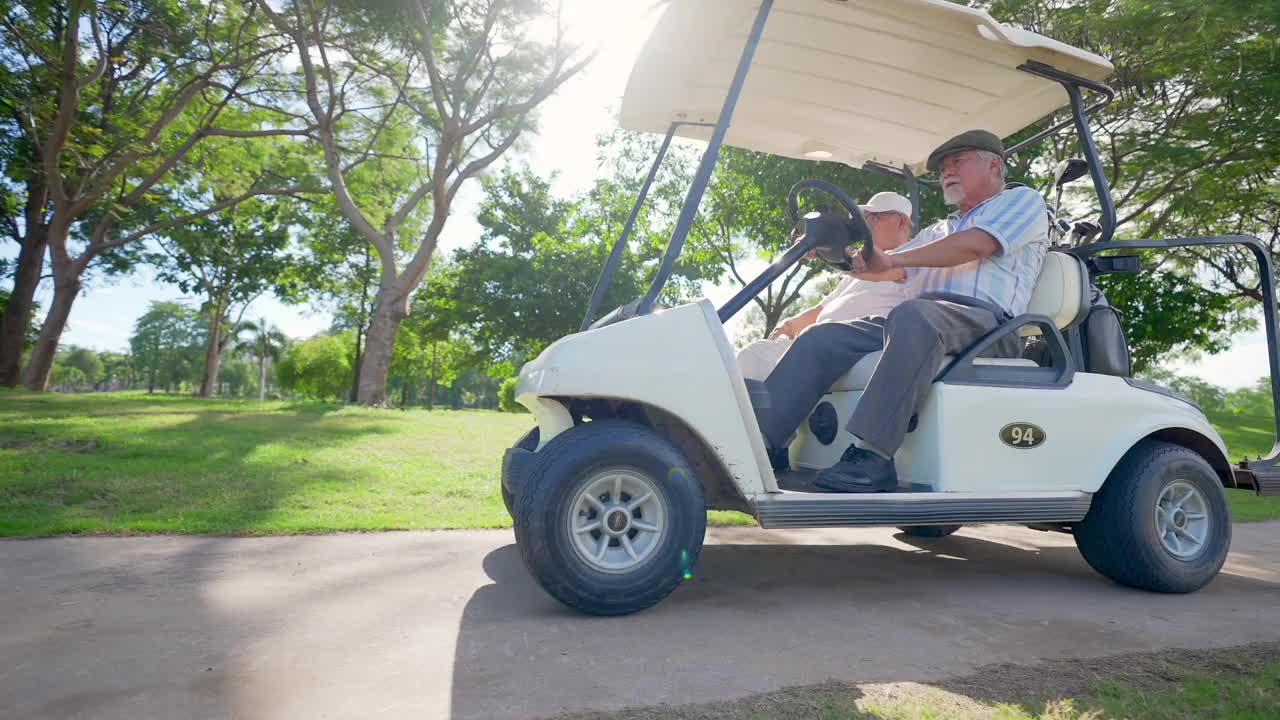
1208	396
1190	145
1165	313
164	344
67	378
87	362
230	258
118	96
265	343
117	370
335	270
318	368
21	170
528	278
30	329
236	375
486	73
507	397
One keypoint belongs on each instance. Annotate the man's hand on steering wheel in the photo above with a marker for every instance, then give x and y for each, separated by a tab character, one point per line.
873	264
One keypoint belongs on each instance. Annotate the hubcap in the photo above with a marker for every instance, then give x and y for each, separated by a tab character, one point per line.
1182	519
616	520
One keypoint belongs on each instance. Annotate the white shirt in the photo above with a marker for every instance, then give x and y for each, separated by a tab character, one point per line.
853	299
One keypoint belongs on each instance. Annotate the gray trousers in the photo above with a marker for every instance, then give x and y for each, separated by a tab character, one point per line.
914	337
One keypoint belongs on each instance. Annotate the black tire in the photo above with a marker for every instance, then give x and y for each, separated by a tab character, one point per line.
562	467
528	441
930	531
1118	537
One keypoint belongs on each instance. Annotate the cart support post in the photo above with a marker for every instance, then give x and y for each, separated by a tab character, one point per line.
615	254
1095	163
700	179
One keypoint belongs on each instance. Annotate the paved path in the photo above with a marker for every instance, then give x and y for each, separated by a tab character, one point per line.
448	624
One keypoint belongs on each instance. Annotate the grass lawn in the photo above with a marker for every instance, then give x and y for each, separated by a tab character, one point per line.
136	463
1232	684
129	462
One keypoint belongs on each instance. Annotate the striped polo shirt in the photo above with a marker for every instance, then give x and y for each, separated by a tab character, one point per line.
1018	220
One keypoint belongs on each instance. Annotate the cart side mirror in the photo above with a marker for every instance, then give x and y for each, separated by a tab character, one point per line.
1068	170
1112	264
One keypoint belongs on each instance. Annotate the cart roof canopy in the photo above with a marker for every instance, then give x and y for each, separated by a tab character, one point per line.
847	80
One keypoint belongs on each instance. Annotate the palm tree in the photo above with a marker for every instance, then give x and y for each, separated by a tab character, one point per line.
265	342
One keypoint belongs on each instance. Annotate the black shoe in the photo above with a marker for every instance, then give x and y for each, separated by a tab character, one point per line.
859	471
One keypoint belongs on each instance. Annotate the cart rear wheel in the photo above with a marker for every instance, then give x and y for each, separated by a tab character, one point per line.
610	519
929	531
1160	522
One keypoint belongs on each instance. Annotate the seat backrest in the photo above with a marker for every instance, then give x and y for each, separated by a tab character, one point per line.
1062	292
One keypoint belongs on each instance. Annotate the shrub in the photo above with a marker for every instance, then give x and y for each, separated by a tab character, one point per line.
507	397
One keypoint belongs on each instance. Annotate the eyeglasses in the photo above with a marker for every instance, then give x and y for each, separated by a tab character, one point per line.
876	216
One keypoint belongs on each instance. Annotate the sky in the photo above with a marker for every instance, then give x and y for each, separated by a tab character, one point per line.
569	123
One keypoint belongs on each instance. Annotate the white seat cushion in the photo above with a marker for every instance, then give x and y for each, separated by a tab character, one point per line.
1062	291
859	374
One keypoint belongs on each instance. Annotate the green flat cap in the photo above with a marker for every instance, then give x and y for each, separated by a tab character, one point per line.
969	140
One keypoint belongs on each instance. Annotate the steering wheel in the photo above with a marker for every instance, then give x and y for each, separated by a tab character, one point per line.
831	245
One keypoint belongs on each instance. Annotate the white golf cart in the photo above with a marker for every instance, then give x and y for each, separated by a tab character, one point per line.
644	422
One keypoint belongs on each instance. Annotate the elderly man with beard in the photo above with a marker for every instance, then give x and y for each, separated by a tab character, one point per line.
964	276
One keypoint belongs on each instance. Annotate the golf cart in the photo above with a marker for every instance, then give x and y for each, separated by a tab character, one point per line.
644	421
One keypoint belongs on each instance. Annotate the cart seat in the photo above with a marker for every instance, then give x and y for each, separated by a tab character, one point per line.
1062	293
860	373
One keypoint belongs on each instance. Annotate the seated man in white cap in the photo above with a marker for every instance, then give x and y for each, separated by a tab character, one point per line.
889	216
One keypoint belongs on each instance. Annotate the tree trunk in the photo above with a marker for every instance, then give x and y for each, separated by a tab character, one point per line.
431	389
392	307
772	316
13	325
355	381
36	377
404	394
360	327
262	377
212	354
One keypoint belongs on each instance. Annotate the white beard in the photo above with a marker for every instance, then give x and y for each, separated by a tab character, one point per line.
952	194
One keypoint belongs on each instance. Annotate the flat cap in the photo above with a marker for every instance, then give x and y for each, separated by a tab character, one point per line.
968	140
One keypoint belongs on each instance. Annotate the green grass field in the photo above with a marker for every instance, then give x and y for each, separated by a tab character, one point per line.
1230	684
129	462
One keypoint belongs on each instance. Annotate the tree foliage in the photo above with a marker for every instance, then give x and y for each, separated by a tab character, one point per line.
1191	147
117	100
86	361
317	368
265	343
165	345
361	71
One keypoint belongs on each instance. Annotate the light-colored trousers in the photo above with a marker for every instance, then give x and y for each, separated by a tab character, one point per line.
757	359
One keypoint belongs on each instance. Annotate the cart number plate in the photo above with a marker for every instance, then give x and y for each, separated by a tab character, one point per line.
1023	436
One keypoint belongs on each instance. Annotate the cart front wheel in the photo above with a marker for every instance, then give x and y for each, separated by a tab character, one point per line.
528	441
611	519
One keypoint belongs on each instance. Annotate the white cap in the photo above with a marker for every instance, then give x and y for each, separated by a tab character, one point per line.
888	202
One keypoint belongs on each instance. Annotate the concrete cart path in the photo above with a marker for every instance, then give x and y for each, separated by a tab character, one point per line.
448	624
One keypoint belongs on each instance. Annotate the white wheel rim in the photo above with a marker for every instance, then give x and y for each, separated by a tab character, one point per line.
1182	519
616	520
